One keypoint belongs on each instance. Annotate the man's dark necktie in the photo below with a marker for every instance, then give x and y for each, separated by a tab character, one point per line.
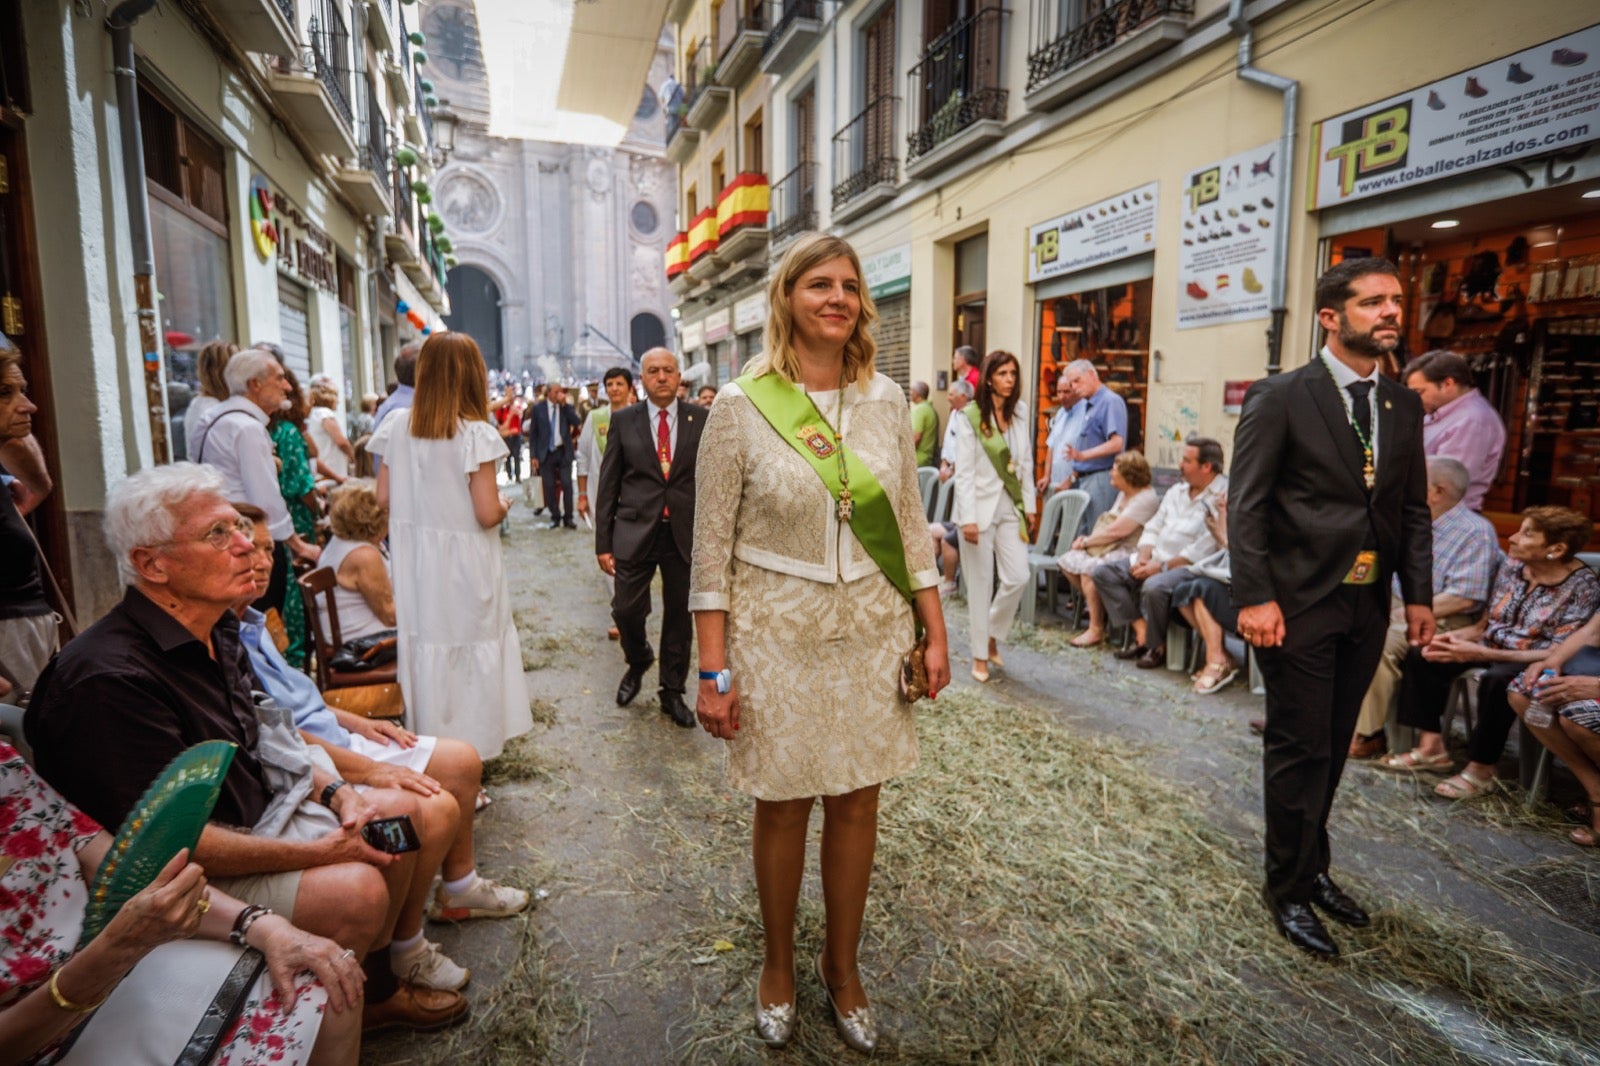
1362	410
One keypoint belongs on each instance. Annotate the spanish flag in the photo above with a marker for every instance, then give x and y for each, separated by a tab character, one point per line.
743	202
703	234
677	255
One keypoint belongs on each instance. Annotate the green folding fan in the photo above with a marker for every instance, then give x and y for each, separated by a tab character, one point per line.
167	818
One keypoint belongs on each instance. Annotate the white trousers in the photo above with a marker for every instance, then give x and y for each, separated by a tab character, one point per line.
999	548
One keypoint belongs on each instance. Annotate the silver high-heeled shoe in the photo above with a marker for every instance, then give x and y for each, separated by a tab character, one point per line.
775	1021
859	1028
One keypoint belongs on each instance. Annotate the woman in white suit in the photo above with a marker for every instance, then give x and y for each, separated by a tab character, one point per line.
996	507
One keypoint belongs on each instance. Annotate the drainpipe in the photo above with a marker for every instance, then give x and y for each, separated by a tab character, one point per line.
1289	89
120	23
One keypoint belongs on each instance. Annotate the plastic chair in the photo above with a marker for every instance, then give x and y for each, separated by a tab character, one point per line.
1590	559
1057	527
1463	700
927	484
944	501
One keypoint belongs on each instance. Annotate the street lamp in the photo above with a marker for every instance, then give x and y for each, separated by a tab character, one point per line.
444	129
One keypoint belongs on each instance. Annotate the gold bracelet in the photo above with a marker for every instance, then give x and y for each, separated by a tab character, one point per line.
66	1004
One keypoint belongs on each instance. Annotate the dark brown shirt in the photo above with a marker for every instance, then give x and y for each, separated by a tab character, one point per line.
128	695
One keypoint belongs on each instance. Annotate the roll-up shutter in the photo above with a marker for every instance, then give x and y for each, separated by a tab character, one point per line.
294	328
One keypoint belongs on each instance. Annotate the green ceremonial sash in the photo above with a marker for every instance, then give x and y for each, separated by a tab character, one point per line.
994	445
788	409
602	426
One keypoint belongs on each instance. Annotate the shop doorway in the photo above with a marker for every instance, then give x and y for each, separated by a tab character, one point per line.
1514	288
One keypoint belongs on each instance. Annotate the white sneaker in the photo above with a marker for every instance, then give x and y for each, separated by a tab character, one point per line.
430	967
482	899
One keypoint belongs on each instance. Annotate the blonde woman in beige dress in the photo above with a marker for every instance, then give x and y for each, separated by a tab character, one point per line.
806	624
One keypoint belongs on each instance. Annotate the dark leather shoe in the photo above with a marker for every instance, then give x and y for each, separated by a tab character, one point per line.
629	688
1368	747
570	524
1152	659
673	707
415	1007
1258	726
1300	924
1132	651
1337	904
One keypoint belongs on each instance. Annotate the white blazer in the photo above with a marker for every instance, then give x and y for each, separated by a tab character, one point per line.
979	492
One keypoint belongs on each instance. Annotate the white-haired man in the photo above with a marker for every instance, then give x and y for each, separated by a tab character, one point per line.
232	437
164	670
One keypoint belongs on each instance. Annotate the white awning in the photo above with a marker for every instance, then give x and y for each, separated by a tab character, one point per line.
567	71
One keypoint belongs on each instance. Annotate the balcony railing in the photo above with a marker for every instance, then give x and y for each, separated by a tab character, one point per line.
405	43
287	7
794	203
790	11
694	73
958	81
864	151
677	108
404	212
1069	32
330	53
374	135
423	111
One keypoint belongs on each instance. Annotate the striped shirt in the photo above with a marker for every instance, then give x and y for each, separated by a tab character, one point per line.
1465	555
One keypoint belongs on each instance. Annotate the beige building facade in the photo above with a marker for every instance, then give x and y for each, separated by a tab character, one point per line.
1097	179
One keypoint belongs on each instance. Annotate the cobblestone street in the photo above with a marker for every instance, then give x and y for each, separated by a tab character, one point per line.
1069	877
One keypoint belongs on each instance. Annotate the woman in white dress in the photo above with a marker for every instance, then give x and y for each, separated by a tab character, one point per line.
460	665
990	508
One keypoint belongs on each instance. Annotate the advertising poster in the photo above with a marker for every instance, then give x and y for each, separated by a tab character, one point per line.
1229	213
1103	232
1174	418
1530	103
1233	396
888	273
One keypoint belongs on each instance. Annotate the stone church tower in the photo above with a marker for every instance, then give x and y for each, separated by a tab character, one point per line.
560	246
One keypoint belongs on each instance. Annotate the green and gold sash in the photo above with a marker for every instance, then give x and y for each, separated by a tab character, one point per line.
602	427
999	452
788	409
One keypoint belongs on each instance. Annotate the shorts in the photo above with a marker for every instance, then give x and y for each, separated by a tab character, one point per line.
276	891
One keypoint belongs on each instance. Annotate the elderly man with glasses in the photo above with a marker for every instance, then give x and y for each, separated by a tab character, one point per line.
164	670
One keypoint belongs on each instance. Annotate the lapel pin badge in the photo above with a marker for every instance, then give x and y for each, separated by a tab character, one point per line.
1387	406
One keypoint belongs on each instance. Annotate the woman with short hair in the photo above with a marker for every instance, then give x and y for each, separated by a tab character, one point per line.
364	592
1111	539
209	365
1540	596
804	593
460	665
335	453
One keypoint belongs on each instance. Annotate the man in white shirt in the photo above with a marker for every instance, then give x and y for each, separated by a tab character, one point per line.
232	438
1064	423
1138	591
959	395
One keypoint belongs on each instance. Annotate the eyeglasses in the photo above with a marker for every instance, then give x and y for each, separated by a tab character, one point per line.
219	536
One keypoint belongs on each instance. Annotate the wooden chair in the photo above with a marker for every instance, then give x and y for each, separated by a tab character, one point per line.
342	688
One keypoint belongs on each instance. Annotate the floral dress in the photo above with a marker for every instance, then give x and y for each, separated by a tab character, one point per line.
42	899
295	480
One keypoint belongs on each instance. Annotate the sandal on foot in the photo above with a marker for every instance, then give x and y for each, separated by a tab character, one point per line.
1414	761
1464	786
1585	838
1215	677
1079	641
980	676
994	658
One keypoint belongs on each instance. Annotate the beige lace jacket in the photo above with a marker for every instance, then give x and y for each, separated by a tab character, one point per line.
758	501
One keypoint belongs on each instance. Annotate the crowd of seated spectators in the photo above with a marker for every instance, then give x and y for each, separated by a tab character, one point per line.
282	865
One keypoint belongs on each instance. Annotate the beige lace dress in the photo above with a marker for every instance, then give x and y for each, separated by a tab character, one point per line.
815	631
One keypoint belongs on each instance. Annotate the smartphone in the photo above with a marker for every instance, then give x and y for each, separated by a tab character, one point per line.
396	835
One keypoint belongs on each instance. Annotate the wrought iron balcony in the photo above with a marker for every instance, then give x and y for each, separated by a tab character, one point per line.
864	153
791	12
287	7
329	58
794	203
958	82
1067	33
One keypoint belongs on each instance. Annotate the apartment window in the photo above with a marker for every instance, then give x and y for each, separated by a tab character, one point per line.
691	205
719	176
805	124
877	84
754	144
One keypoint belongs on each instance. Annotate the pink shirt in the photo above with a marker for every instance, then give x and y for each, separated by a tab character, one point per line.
1469	429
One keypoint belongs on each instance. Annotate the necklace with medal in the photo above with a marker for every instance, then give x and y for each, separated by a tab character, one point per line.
1369	473
847	506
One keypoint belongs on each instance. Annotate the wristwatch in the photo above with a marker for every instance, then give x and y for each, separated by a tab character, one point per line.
723	678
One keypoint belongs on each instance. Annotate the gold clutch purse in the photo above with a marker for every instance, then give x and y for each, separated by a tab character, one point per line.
914	671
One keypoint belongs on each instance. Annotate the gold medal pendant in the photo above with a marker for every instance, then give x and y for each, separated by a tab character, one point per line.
1368	474
1011	466
847	506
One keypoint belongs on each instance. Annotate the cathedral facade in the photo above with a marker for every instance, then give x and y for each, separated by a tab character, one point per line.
559	246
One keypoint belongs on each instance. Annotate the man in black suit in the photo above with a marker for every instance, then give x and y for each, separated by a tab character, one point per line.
553	430
1329	499
644	519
